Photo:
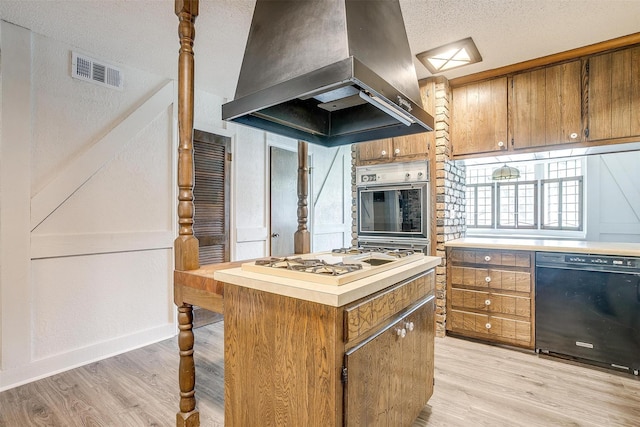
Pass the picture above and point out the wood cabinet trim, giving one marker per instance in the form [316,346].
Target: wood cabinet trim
[366,315]
[580,115]
[593,49]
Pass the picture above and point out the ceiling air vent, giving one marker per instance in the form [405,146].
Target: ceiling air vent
[95,71]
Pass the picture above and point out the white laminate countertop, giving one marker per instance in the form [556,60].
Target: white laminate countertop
[332,295]
[543,245]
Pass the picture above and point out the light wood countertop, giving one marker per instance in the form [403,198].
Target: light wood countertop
[332,295]
[577,246]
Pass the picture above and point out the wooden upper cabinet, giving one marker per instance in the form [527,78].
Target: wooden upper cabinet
[373,151]
[614,95]
[410,146]
[546,106]
[479,117]
[402,148]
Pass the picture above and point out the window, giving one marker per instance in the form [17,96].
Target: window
[517,204]
[547,196]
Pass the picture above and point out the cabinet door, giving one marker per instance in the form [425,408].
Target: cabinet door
[368,389]
[417,357]
[614,95]
[390,376]
[410,147]
[546,106]
[377,151]
[479,117]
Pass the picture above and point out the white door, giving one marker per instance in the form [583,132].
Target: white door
[284,200]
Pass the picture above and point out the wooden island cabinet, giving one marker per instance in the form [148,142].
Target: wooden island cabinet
[291,361]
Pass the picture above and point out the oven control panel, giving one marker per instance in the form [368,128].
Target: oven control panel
[394,173]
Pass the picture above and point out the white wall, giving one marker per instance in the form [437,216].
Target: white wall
[330,197]
[613,197]
[86,211]
[88,202]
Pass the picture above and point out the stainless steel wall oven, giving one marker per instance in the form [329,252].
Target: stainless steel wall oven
[393,205]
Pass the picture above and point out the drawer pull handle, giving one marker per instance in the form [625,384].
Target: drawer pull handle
[487,258]
[410,326]
[396,151]
[383,153]
[487,279]
[487,302]
[488,325]
[401,332]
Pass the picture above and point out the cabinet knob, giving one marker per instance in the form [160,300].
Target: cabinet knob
[409,326]
[487,302]
[500,144]
[383,153]
[573,135]
[487,258]
[487,325]
[396,151]
[401,332]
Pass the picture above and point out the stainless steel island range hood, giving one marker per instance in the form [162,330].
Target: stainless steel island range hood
[329,72]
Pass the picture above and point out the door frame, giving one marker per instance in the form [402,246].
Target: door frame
[206,127]
[289,145]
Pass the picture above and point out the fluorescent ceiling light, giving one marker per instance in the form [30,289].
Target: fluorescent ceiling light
[450,56]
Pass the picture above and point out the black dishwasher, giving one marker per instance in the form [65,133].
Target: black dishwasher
[588,307]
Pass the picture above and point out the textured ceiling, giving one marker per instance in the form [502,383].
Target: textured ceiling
[143,33]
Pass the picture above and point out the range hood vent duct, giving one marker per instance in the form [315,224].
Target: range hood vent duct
[329,72]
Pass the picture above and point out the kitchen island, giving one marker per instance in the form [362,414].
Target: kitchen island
[303,353]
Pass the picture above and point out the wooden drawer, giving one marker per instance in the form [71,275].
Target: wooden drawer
[369,313]
[491,279]
[490,327]
[491,257]
[488,302]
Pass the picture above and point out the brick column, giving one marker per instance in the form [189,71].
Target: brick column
[450,195]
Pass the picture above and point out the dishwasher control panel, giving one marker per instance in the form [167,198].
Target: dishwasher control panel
[587,261]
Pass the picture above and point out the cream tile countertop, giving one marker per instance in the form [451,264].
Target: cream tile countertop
[578,246]
[332,295]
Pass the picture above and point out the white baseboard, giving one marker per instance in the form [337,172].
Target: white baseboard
[43,368]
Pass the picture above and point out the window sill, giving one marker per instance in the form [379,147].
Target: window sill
[527,234]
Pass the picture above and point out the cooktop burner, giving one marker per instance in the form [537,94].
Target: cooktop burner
[316,266]
[396,253]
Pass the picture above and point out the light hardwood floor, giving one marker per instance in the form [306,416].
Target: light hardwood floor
[476,385]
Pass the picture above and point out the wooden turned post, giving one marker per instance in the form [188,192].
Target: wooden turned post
[302,238]
[188,415]
[186,244]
